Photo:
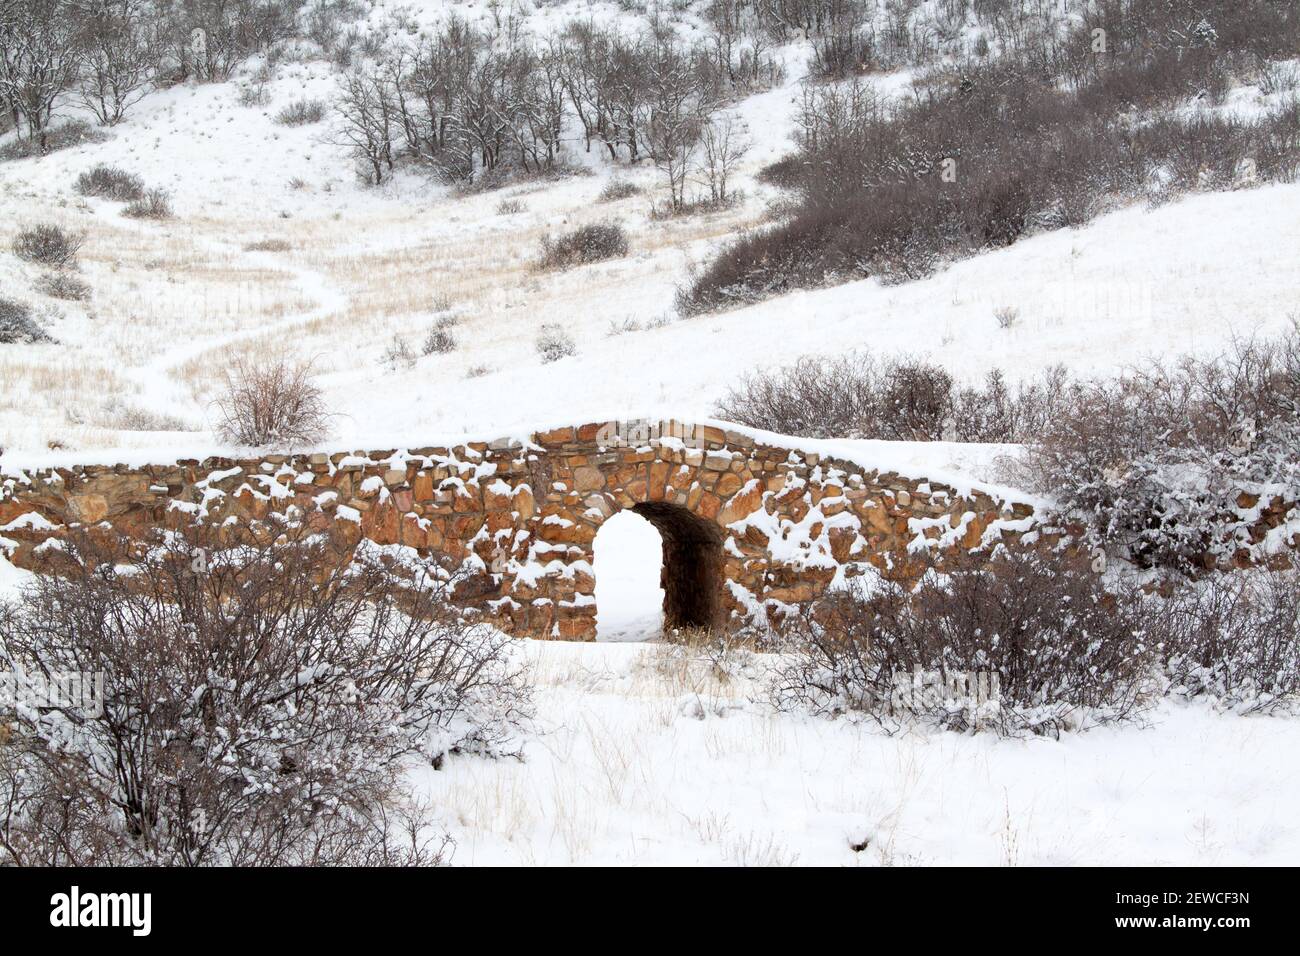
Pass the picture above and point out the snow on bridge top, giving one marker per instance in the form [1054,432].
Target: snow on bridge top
[752,523]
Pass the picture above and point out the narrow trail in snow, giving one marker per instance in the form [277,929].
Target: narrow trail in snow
[161,390]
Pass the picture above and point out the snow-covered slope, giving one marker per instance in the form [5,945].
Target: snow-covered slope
[173,301]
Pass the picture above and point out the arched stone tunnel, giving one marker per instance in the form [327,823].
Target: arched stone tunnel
[752,525]
[692,575]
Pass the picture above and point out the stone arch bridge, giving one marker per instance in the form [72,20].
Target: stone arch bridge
[752,524]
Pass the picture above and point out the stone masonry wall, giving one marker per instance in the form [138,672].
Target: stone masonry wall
[749,529]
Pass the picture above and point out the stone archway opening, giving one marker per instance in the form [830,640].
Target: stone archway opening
[692,567]
[628,563]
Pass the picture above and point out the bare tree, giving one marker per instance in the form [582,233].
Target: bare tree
[121,54]
[585,53]
[677,110]
[723,144]
[367,111]
[208,39]
[41,48]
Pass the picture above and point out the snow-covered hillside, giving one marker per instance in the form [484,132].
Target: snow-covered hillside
[172,301]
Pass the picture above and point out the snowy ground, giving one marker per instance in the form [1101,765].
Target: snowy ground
[640,759]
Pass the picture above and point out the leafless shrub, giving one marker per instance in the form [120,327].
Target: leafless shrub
[849,396]
[154,204]
[1002,413]
[301,113]
[478,371]
[509,207]
[271,401]
[18,326]
[1057,651]
[110,182]
[398,354]
[258,701]
[72,133]
[268,245]
[326,20]
[842,53]
[554,343]
[696,206]
[63,285]
[252,94]
[701,656]
[859,396]
[1154,463]
[916,396]
[1276,77]
[1007,316]
[48,245]
[621,326]
[616,189]
[586,244]
[881,190]
[440,339]
[814,397]
[1234,640]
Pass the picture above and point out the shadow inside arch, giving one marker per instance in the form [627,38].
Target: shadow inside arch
[692,575]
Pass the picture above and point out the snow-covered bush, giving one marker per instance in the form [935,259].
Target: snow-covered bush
[271,401]
[154,204]
[63,285]
[1177,465]
[110,182]
[554,343]
[48,245]
[301,113]
[879,188]
[17,326]
[859,396]
[850,396]
[1027,643]
[441,339]
[251,704]
[616,189]
[1234,639]
[591,243]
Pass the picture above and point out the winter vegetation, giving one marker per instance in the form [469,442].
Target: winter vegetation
[1050,248]
[335,672]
